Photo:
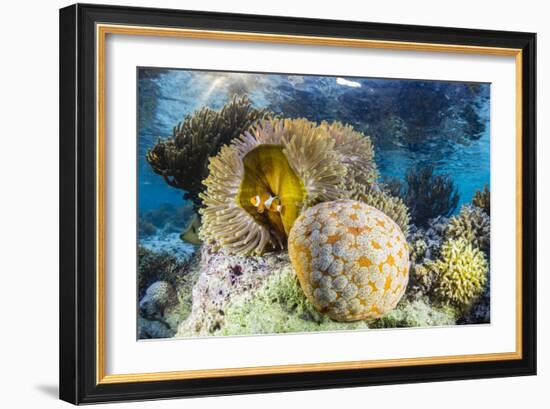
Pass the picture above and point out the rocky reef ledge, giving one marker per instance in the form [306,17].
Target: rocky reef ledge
[248,295]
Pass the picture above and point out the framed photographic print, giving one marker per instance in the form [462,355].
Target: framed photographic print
[257,203]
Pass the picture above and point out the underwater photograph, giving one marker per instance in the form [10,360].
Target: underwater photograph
[292,203]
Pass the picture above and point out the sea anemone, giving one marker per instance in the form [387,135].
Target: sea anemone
[352,260]
[357,154]
[258,185]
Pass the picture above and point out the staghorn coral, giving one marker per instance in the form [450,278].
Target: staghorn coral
[351,259]
[428,195]
[460,274]
[296,161]
[390,205]
[482,199]
[182,159]
[473,225]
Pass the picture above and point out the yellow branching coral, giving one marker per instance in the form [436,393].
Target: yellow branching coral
[460,274]
[259,184]
[390,205]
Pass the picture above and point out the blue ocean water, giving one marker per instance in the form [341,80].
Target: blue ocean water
[411,122]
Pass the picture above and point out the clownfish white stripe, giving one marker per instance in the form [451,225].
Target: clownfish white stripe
[268,202]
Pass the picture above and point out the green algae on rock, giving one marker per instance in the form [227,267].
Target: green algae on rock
[278,306]
[417,313]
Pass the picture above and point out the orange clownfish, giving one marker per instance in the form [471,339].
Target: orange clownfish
[266,201]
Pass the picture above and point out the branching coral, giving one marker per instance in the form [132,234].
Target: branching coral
[295,161]
[357,154]
[429,195]
[390,205]
[183,159]
[482,199]
[472,225]
[460,273]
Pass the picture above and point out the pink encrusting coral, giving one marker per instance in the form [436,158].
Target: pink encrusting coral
[351,259]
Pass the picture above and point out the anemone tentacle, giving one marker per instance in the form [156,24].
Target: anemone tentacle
[224,223]
[296,161]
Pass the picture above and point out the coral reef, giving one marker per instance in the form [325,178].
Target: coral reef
[480,312]
[392,206]
[158,297]
[482,199]
[351,259]
[158,273]
[473,225]
[168,243]
[182,159]
[429,195]
[417,313]
[166,218]
[152,329]
[278,306]
[190,232]
[296,161]
[153,266]
[460,273]
[222,277]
